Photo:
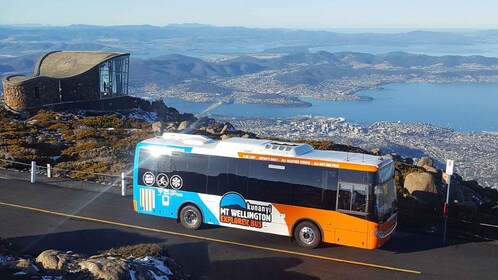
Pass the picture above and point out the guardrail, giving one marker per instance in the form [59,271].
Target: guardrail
[33,167]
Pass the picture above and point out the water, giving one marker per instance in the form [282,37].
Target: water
[461,106]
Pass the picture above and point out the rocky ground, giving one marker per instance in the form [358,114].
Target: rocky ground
[144,261]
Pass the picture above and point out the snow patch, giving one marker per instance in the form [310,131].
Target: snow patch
[5,259]
[157,263]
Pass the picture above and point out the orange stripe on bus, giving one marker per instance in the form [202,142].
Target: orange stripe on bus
[310,162]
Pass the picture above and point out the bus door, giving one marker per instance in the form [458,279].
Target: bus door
[352,200]
[156,196]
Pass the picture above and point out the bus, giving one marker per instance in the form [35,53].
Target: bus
[281,188]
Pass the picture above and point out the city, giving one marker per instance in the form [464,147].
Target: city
[470,150]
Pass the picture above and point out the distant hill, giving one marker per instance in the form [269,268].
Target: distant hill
[171,69]
[200,40]
[292,69]
[307,67]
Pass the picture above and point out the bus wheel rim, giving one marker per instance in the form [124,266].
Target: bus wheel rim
[191,217]
[307,235]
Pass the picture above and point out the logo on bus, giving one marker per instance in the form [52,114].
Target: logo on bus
[149,178]
[234,209]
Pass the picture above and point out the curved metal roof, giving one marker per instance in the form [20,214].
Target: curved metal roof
[64,64]
[70,63]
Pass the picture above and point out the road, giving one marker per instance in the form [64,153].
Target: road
[43,216]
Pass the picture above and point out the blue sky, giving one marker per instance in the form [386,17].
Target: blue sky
[312,14]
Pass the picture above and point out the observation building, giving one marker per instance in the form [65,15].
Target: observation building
[65,77]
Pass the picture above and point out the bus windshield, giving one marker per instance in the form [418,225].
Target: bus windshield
[385,192]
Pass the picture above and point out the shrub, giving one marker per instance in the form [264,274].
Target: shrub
[137,251]
[8,248]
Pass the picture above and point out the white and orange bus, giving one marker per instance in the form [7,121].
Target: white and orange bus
[273,187]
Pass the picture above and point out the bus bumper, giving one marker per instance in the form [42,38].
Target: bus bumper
[380,234]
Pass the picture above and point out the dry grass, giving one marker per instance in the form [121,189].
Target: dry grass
[137,251]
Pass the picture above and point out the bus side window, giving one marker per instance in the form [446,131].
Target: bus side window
[359,199]
[234,179]
[352,197]
[329,188]
[150,162]
[269,182]
[217,174]
[344,199]
[192,168]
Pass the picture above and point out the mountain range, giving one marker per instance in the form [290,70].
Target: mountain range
[304,68]
[202,40]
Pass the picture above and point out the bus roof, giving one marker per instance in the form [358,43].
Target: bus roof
[267,150]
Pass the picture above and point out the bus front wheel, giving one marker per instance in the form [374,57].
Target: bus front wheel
[307,235]
[191,217]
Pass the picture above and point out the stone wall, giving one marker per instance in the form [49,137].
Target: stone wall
[30,93]
[83,87]
[39,91]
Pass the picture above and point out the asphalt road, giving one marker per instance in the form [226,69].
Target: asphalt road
[102,220]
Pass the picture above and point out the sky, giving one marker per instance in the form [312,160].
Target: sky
[305,14]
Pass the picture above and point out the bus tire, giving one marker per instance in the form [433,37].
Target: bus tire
[191,217]
[307,235]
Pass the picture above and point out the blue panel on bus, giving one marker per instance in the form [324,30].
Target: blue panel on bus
[166,202]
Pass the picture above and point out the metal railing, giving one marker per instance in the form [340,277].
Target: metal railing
[33,167]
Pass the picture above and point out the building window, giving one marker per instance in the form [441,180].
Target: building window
[114,77]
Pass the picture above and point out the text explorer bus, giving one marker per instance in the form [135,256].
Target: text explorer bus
[273,187]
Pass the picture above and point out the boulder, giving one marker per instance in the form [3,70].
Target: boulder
[25,266]
[54,260]
[105,268]
[420,182]
[48,259]
[170,127]
[425,161]
[183,125]
[228,127]
[211,130]
[157,128]
[376,151]
[429,168]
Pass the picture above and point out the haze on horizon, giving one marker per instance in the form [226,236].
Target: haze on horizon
[292,14]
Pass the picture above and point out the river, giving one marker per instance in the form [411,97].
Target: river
[460,106]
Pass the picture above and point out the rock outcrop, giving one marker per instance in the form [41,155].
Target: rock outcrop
[52,259]
[420,182]
[183,125]
[425,161]
[109,267]
[429,168]
[158,128]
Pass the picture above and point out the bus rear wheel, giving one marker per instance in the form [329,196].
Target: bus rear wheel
[191,217]
[307,235]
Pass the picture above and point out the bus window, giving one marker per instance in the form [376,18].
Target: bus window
[329,188]
[269,182]
[314,187]
[192,168]
[353,176]
[234,179]
[359,199]
[150,161]
[217,173]
[352,197]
